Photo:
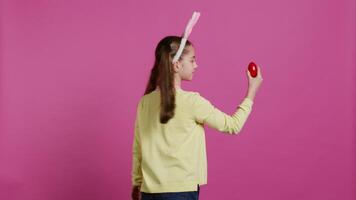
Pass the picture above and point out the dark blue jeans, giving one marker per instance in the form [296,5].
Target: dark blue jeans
[194,195]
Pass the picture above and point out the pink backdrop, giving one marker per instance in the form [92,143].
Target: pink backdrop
[72,73]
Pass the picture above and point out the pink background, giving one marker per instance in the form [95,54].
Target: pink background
[72,73]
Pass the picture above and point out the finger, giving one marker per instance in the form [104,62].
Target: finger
[259,72]
[248,74]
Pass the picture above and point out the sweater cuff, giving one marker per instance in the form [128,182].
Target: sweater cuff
[247,101]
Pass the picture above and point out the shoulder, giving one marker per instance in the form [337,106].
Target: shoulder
[140,102]
[146,97]
[189,94]
[195,97]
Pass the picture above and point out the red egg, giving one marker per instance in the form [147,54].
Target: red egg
[252,68]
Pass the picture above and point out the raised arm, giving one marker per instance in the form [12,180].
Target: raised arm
[207,113]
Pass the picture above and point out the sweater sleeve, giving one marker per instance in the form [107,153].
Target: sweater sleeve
[136,173]
[206,113]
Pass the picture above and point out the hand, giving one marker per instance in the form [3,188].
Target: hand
[254,83]
[136,194]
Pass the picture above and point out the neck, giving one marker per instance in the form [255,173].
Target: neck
[177,81]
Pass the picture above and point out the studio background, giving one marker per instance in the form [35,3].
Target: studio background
[72,73]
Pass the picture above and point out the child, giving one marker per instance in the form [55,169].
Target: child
[169,154]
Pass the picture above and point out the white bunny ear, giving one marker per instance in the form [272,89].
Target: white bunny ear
[188,30]
[191,24]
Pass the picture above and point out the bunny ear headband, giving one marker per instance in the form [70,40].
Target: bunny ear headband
[188,30]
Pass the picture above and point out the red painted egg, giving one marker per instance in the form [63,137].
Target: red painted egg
[252,68]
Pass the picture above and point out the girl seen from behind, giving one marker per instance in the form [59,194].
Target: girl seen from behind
[169,152]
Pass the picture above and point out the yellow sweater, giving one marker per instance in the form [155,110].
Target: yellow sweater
[172,157]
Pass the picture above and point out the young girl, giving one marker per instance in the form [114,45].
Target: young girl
[169,154]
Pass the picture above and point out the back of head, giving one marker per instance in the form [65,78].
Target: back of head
[162,74]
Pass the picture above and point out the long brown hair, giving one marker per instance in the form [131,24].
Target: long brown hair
[162,74]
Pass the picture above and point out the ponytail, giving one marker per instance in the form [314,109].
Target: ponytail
[166,86]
